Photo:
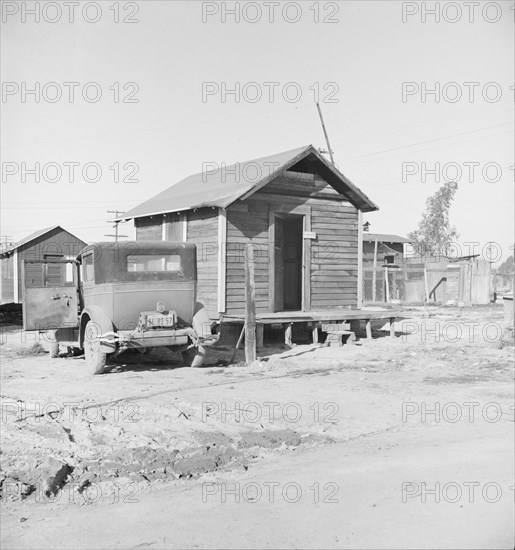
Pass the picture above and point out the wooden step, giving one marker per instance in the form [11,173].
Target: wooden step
[336,338]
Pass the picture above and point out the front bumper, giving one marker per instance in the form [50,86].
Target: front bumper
[126,339]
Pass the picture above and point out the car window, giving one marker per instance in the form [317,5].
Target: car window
[88,273]
[144,263]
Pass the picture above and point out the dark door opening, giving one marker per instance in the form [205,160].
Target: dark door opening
[288,262]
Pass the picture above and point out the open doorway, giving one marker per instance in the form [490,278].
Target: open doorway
[288,262]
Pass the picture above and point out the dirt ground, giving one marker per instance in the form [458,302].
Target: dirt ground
[402,442]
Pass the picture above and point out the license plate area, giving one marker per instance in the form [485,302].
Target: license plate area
[160,320]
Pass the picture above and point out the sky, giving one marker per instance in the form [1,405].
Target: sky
[413,94]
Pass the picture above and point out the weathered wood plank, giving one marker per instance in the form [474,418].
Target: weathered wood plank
[250,308]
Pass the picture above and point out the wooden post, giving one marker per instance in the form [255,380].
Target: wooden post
[392,327]
[260,335]
[250,306]
[374,275]
[288,335]
[368,329]
[426,285]
[387,284]
[329,150]
[360,260]
[315,333]
[237,343]
[222,240]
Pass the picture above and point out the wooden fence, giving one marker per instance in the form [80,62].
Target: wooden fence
[414,282]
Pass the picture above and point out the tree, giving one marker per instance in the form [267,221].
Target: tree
[435,233]
[507,271]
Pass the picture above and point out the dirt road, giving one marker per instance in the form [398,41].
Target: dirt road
[395,443]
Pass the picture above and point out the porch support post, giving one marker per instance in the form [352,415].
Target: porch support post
[360,260]
[271,258]
[368,329]
[222,239]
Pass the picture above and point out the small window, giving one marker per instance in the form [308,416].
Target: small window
[145,263]
[88,274]
[68,275]
[389,259]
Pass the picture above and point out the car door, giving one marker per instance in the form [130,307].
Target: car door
[50,298]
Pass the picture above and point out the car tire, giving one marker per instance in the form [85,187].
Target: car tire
[95,358]
[194,357]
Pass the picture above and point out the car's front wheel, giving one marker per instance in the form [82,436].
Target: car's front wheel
[95,358]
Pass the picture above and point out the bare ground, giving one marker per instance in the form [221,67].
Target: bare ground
[157,455]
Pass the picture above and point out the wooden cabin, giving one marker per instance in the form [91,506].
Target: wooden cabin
[52,242]
[301,214]
[382,249]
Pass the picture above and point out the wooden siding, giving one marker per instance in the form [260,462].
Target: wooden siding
[203,231]
[7,280]
[301,185]
[334,256]
[330,276]
[333,266]
[57,243]
[173,227]
[149,229]
[247,222]
[368,252]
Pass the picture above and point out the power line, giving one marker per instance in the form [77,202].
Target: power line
[430,141]
[116,222]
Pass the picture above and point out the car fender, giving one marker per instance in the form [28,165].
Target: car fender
[201,323]
[97,315]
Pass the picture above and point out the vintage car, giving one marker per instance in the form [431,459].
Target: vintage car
[118,296]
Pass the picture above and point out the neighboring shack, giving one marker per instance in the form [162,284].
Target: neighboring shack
[302,215]
[380,249]
[46,244]
[392,274]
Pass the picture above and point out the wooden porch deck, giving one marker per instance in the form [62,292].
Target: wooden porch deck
[316,318]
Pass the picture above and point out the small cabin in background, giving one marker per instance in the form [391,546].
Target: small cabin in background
[50,243]
[386,249]
[391,273]
[300,213]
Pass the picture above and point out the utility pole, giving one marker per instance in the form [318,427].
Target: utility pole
[5,242]
[116,235]
[329,150]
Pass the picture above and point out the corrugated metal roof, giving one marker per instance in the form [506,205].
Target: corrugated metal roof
[384,238]
[224,185]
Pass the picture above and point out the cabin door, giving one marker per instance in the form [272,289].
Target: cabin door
[50,299]
[288,262]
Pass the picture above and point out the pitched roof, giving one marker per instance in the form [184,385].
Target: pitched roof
[384,238]
[29,238]
[226,184]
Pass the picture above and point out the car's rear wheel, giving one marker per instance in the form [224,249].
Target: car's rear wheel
[95,358]
[194,357]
